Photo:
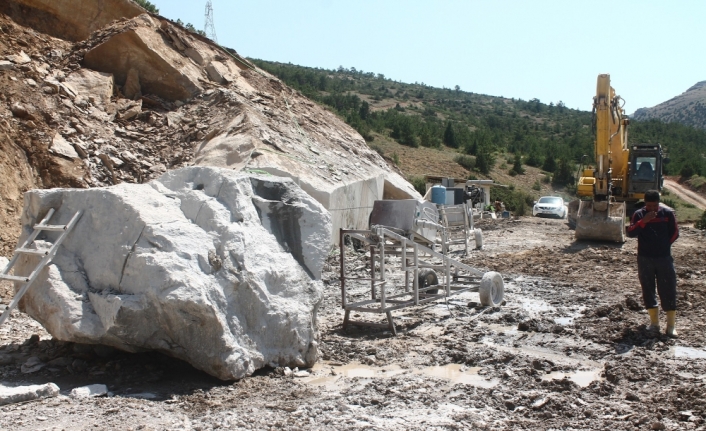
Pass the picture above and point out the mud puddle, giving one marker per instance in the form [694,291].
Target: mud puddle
[688,352]
[581,378]
[330,376]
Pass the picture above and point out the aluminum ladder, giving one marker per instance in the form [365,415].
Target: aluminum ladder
[47,255]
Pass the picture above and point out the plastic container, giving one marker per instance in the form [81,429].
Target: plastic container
[506,214]
[438,195]
[450,196]
[459,194]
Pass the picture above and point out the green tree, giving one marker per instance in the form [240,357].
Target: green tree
[549,164]
[533,157]
[148,6]
[564,174]
[484,160]
[364,110]
[517,164]
[450,136]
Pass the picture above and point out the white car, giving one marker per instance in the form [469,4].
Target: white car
[549,206]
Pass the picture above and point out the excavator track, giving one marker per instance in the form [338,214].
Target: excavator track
[603,221]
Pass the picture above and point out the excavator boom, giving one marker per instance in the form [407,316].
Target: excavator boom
[602,217]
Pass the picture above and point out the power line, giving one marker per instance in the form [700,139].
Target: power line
[209,27]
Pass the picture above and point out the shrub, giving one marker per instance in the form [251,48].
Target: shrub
[468,162]
[516,201]
[670,202]
[378,149]
[512,172]
[547,179]
[689,205]
[536,186]
[419,184]
[701,223]
[395,159]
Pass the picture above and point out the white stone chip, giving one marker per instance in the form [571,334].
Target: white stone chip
[97,390]
[18,394]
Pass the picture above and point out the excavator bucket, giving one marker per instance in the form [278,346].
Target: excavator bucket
[602,221]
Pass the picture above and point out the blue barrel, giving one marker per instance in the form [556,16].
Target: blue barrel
[438,195]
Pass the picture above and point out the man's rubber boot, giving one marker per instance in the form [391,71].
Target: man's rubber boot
[654,320]
[672,324]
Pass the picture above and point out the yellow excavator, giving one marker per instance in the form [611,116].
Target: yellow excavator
[621,176]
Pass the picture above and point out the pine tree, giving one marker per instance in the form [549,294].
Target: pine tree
[517,165]
[450,136]
[549,164]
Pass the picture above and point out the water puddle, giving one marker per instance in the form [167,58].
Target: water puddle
[329,375]
[688,352]
[564,321]
[535,306]
[581,378]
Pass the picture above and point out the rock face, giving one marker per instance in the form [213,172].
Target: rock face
[141,95]
[68,19]
[150,56]
[688,108]
[207,265]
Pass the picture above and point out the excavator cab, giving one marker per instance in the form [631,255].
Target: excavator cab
[645,171]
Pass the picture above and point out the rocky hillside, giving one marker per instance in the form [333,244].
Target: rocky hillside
[688,108]
[141,95]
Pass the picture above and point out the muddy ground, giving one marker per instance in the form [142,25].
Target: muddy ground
[568,350]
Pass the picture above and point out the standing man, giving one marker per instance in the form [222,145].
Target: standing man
[655,227]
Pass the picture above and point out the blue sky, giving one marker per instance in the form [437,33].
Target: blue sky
[550,50]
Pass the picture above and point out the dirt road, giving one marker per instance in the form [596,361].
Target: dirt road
[685,194]
[568,350]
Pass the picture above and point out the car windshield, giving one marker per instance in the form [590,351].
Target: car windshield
[549,200]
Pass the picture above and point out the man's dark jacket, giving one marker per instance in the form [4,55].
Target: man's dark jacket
[654,238]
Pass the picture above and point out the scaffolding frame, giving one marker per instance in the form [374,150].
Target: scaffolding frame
[453,277]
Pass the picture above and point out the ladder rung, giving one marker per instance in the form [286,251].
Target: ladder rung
[51,227]
[32,251]
[13,278]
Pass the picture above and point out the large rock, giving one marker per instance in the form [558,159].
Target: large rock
[90,84]
[68,19]
[208,265]
[280,132]
[152,56]
[141,51]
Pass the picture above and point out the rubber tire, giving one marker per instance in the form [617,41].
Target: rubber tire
[478,235]
[427,277]
[491,289]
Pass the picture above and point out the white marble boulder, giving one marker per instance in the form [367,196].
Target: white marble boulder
[215,267]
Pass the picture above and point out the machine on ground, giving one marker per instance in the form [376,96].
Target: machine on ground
[622,175]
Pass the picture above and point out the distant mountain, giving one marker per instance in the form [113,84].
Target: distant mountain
[689,108]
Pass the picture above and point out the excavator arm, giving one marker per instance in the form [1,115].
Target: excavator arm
[599,215]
